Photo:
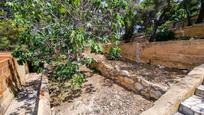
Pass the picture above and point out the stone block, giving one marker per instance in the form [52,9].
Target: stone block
[138,86]
[192,105]
[200,91]
[169,103]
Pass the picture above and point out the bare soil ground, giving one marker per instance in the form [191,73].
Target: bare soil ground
[99,96]
[153,73]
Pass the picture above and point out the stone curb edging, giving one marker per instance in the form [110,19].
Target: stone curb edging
[168,104]
[44,98]
[131,82]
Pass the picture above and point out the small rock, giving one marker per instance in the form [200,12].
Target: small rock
[117,68]
[185,71]
[155,94]
[138,86]
[125,72]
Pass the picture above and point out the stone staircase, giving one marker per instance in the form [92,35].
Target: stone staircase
[194,105]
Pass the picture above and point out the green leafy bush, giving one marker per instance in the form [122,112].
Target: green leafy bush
[114,53]
[165,35]
[96,48]
[77,80]
[88,61]
[66,71]
[8,34]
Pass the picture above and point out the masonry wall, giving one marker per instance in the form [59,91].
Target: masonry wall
[12,77]
[196,30]
[175,54]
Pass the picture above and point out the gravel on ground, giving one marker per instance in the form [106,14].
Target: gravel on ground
[154,73]
[100,96]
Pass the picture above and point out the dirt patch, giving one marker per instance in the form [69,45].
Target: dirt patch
[100,96]
[153,73]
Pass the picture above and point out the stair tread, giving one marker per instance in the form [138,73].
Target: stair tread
[200,91]
[201,87]
[194,103]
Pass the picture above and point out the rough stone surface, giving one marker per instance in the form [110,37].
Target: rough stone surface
[178,113]
[128,81]
[44,98]
[192,106]
[168,104]
[200,91]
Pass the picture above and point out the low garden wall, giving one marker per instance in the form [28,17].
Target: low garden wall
[184,54]
[131,82]
[12,77]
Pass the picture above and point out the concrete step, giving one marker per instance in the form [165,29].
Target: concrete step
[192,106]
[178,113]
[200,91]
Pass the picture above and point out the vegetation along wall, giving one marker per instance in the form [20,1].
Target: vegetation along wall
[12,77]
[175,54]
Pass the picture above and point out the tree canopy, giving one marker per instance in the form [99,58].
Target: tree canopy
[56,32]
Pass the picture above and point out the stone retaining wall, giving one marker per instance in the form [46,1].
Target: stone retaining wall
[12,76]
[175,54]
[131,82]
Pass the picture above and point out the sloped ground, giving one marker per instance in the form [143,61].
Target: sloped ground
[100,96]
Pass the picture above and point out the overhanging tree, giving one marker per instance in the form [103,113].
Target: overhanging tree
[57,31]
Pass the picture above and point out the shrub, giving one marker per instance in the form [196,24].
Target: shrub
[96,48]
[77,80]
[66,71]
[88,61]
[165,35]
[8,34]
[114,53]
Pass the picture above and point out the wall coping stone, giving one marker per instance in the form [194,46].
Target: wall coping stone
[168,104]
[44,98]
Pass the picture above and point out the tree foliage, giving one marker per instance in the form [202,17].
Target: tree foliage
[58,31]
[152,15]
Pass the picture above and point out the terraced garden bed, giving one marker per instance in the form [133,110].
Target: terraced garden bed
[99,96]
[106,92]
[153,73]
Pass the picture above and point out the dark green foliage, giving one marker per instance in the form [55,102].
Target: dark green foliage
[57,32]
[78,80]
[88,61]
[96,48]
[22,54]
[114,53]
[165,36]
[8,34]
[201,13]
[65,71]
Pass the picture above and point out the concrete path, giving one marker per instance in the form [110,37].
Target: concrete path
[26,102]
